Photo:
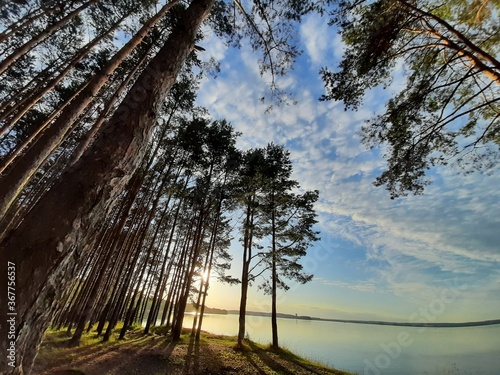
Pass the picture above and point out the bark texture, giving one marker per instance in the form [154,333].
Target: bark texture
[54,133]
[51,240]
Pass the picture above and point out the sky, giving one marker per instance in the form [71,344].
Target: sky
[433,257]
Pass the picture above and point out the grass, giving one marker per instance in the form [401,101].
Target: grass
[156,354]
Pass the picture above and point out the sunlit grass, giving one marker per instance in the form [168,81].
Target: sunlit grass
[58,350]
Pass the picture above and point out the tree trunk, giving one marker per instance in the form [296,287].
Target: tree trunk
[208,268]
[128,316]
[163,268]
[27,19]
[149,85]
[41,36]
[84,144]
[172,293]
[477,55]
[131,247]
[51,239]
[247,256]
[183,287]
[197,305]
[39,78]
[28,102]
[274,320]
[87,309]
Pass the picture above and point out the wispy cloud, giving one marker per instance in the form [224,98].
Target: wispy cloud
[319,49]
[360,287]
[409,243]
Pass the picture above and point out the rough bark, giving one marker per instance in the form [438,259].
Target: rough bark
[50,240]
[25,104]
[19,174]
[84,144]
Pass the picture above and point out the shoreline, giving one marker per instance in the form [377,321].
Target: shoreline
[372,322]
[156,353]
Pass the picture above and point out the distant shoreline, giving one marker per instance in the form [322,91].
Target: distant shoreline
[373,322]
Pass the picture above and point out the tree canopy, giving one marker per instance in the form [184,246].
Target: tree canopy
[448,108]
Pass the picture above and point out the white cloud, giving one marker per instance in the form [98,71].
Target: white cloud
[360,287]
[321,50]
[450,231]
[311,29]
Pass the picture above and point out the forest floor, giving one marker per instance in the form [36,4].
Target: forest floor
[156,354]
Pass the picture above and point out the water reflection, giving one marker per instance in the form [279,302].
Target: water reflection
[376,350]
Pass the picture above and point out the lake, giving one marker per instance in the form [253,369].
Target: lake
[376,349]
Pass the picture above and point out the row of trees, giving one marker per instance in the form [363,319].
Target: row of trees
[83,82]
[108,213]
[171,230]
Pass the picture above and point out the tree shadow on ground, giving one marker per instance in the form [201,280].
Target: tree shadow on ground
[138,354]
[266,359]
[82,353]
[266,356]
[204,361]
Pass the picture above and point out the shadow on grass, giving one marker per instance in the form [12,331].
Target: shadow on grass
[204,361]
[192,364]
[269,361]
[60,356]
[87,350]
[248,356]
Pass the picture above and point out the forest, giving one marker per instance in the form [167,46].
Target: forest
[119,196]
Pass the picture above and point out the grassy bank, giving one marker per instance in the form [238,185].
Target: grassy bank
[156,354]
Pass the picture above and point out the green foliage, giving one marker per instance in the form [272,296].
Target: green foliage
[449,106]
[286,219]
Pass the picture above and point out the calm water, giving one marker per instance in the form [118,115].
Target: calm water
[375,350]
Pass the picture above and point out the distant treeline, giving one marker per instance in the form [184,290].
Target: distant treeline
[383,323]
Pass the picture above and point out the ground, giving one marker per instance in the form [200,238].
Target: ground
[156,354]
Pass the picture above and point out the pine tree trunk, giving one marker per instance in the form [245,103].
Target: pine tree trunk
[128,316]
[208,268]
[17,177]
[171,297]
[51,239]
[27,19]
[84,144]
[274,320]
[43,35]
[185,280]
[157,291]
[87,308]
[29,101]
[197,306]
[39,79]
[247,256]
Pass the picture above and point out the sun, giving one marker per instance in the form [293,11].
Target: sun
[204,275]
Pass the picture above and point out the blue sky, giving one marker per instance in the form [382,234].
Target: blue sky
[432,257]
